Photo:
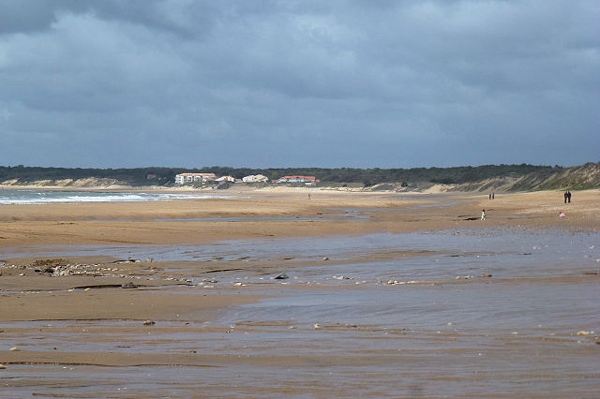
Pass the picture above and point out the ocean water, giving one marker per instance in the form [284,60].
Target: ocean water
[55,196]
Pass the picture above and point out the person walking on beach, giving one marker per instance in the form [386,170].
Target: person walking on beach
[567,196]
[483,214]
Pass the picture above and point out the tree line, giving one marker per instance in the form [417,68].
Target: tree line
[367,177]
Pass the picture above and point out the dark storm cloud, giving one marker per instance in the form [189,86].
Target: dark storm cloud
[285,83]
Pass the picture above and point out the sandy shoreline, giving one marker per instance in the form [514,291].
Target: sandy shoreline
[24,229]
[327,213]
[102,289]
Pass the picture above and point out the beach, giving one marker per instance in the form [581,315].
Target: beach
[304,293]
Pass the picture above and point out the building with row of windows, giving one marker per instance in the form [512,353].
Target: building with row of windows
[192,178]
[309,180]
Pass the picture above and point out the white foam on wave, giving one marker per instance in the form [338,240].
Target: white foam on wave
[46,197]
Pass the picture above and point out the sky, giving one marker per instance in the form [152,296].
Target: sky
[299,83]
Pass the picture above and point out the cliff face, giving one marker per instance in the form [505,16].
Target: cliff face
[583,177]
[575,178]
[578,178]
[90,182]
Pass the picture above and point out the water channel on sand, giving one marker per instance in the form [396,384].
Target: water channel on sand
[500,313]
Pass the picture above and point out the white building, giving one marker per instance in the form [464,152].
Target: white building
[229,179]
[308,180]
[255,179]
[189,178]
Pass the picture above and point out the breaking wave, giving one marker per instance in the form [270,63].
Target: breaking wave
[45,197]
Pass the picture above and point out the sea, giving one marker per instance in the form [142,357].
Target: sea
[35,196]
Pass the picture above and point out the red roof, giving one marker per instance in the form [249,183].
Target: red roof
[300,177]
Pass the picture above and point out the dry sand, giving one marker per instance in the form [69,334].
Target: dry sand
[147,223]
[95,287]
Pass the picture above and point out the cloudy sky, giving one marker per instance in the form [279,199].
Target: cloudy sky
[292,83]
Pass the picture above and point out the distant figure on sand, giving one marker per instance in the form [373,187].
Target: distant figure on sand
[483,214]
[567,196]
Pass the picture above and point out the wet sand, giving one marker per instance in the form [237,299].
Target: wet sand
[384,295]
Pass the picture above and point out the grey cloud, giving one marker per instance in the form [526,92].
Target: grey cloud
[284,83]
[24,17]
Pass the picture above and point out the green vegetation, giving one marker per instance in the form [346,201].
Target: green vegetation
[134,177]
[522,177]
